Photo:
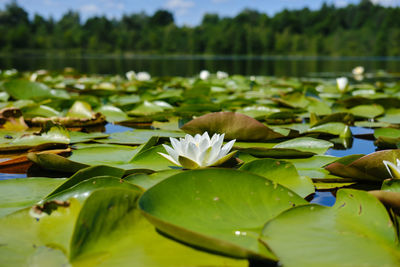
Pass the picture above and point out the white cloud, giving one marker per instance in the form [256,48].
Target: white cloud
[219,1]
[386,2]
[89,9]
[112,4]
[180,6]
[341,3]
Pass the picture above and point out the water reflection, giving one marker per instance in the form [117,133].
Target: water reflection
[192,65]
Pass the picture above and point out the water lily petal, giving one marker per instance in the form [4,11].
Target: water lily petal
[173,153]
[176,145]
[192,152]
[169,158]
[188,163]
[393,170]
[226,148]
[213,156]
[224,159]
[204,157]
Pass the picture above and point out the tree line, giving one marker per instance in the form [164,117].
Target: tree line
[362,29]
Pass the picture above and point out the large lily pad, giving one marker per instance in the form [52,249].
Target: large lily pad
[211,209]
[281,172]
[47,241]
[234,125]
[22,89]
[17,194]
[356,231]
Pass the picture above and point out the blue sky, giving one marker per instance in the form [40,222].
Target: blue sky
[188,12]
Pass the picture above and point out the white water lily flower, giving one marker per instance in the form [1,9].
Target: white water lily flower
[204,74]
[130,75]
[394,170]
[222,75]
[342,83]
[359,70]
[143,76]
[199,151]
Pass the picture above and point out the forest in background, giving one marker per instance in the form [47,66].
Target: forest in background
[364,29]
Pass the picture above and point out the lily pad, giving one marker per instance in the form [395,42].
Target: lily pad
[306,144]
[87,173]
[22,89]
[210,209]
[17,194]
[53,136]
[113,114]
[391,116]
[356,231]
[138,136]
[367,111]
[333,128]
[281,172]
[234,125]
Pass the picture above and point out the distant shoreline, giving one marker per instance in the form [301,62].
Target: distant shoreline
[132,55]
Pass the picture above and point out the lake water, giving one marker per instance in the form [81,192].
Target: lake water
[191,65]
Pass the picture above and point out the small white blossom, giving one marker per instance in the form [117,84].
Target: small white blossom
[198,151]
[130,75]
[342,83]
[394,170]
[358,70]
[222,75]
[204,74]
[143,76]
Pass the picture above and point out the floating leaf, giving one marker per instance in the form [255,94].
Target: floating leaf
[201,208]
[17,194]
[234,125]
[306,144]
[80,110]
[281,172]
[356,231]
[22,89]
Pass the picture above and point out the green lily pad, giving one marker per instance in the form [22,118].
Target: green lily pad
[356,231]
[39,111]
[234,125]
[22,89]
[313,166]
[210,209]
[82,190]
[387,132]
[80,110]
[56,135]
[306,144]
[148,180]
[145,109]
[110,226]
[47,241]
[391,116]
[138,136]
[27,240]
[17,194]
[87,173]
[80,137]
[333,128]
[281,172]
[367,111]
[318,107]
[113,114]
